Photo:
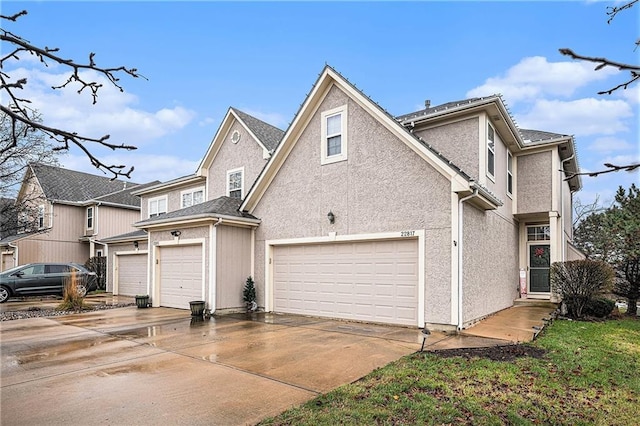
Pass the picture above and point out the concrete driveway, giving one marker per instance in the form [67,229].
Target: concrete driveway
[156,366]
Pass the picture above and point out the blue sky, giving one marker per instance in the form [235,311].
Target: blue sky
[202,57]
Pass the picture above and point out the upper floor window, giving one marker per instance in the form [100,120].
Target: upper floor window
[89,217]
[235,183]
[334,135]
[157,206]
[509,173]
[40,217]
[491,151]
[191,197]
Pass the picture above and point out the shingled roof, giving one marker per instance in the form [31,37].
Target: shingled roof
[269,135]
[124,197]
[538,135]
[222,206]
[75,187]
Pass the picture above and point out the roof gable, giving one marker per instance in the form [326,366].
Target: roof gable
[327,79]
[264,134]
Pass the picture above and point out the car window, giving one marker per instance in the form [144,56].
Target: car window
[57,269]
[33,270]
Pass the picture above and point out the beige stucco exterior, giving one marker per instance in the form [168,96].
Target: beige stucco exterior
[383,186]
[534,188]
[246,154]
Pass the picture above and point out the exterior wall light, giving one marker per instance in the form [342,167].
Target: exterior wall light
[135,245]
[331,217]
[176,233]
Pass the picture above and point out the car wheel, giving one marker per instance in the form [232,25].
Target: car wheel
[81,290]
[4,294]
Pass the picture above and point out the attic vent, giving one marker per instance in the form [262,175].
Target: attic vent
[235,136]
[427,103]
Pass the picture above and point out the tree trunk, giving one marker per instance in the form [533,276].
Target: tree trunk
[632,307]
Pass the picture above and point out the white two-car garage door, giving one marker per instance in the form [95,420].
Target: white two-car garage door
[373,281]
[132,274]
[181,277]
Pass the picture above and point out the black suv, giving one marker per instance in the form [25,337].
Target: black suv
[37,279]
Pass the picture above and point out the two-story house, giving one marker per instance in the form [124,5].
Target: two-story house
[425,219]
[74,209]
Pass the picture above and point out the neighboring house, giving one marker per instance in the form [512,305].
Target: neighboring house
[74,209]
[426,219]
[205,208]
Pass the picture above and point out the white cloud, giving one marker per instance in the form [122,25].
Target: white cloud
[631,94]
[114,113]
[580,117]
[535,77]
[206,121]
[609,144]
[147,167]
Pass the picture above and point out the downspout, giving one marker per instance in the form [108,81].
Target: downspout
[15,254]
[460,238]
[213,269]
[562,241]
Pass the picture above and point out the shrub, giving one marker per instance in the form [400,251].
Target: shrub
[249,295]
[579,281]
[599,307]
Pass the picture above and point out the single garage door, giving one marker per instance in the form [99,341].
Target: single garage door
[181,279]
[367,281]
[132,274]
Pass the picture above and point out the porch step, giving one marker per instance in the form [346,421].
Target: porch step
[535,302]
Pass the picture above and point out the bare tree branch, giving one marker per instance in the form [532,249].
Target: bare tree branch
[610,168]
[16,108]
[603,62]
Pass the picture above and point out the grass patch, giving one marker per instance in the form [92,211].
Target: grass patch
[588,374]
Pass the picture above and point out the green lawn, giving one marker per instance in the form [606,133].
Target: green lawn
[590,374]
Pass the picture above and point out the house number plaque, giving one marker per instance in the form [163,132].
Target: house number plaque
[407,233]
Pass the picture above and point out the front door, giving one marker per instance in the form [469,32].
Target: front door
[539,262]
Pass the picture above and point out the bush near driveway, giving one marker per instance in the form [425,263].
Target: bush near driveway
[587,375]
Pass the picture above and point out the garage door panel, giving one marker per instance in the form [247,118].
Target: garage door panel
[371,281]
[132,274]
[181,279]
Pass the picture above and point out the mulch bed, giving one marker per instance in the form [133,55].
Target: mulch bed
[494,353]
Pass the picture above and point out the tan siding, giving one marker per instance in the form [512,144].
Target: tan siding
[40,248]
[246,153]
[458,142]
[382,187]
[233,265]
[534,182]
[490,273]
[112,221]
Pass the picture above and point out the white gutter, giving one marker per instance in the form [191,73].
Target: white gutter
[460,254]
[564,249]
[213,265]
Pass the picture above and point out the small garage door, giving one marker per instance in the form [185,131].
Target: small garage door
[6,261]
[132,274]
[367,281]
[181,279]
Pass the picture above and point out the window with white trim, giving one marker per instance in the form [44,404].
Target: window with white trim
[334,135]
[191,197]
[539,233]
[509,173]
[89,217]
[40,217]
[491,151]
[235,183]
[157,206]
